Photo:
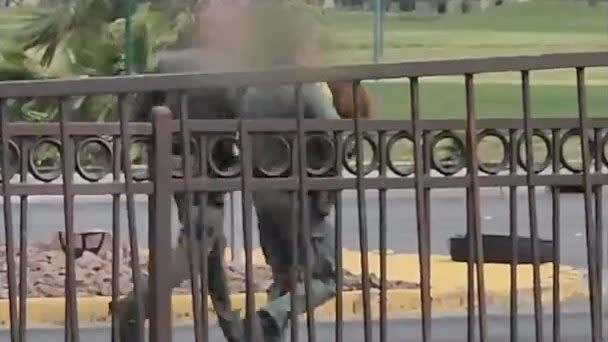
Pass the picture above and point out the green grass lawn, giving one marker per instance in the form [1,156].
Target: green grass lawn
[541,26]
[447,100]
[536,27]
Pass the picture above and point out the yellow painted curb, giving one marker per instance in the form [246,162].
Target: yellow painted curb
[448,291]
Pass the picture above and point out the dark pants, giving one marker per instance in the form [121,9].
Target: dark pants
[275,225]
[219,290]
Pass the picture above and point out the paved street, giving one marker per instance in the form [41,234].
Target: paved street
[448,219]
[575,328]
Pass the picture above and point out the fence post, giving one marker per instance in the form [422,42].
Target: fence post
[160,227]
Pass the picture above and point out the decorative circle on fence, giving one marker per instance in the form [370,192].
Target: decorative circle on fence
[400,144]
[455,159]
[216,156]
[324,162]
[349,152]
[45,159]
[138,155]
[276,163]
[14,159]
[492,166]
[541,138]
[195,156]
[573,136]
[94,158]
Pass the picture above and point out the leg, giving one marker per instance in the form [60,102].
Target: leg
[219,291]
[127,306]
[323,285]
[275,254]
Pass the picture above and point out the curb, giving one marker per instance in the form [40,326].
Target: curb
[448,292]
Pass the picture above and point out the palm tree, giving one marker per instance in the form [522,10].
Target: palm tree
[81,38]
[62,38]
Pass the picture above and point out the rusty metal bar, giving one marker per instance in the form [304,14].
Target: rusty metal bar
[339,144]
[116,250]
[589,222]
[200,334]
[125,142]
[206,126]
[160,236]
[325,183]
[599,226]
[232,227]
[362,217]
[8,222]
[23,255]
[293,272]
[530,173]
[424,249]
[513,334]
[225,126]
[67,158]
[169,82]
[204,250]
[382,161]
[303,211]
[475,202]
[247,203]
[555,221]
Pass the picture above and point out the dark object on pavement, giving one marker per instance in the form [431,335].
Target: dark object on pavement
[566,189]
[497,249]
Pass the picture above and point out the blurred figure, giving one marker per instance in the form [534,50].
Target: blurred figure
[290,40]
[216,47]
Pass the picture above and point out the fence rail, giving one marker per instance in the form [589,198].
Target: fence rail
[198,174]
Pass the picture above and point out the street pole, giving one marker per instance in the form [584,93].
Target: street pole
[378,30]
[129,38]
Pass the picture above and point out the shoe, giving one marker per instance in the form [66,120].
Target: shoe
[272,332]
[257,333]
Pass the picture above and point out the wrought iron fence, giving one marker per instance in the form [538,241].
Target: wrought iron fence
[20,141]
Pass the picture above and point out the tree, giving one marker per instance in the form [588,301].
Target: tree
[80,38]
[87,38]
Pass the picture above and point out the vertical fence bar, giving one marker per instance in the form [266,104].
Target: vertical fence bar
[513,235]
[362,217]
[338,246]
[23,257]
[474,186]
[115,238]
[470,260]
[303,211]
[67,158]
[246,202]
[204,252]
[555,209]
[160,248]
[530,173]
[383,158]
[470,269]
[599,226]
[589,222]
[8,222]
[424,253]
[293,272]
[125,142]
[193,250]
[232,226]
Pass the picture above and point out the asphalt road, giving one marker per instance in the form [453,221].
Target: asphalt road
[574,328]
[448,218]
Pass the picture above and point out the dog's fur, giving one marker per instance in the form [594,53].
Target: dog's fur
[342,92]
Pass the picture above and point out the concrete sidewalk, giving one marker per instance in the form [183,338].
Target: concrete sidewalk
[448,291]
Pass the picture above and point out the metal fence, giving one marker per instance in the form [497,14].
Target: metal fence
[516,135]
